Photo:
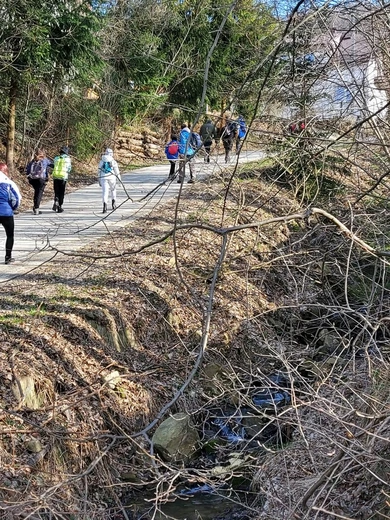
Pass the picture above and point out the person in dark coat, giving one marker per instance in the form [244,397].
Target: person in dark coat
[208,132]
[228,136]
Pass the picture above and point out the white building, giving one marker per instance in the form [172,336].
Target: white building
[342,73]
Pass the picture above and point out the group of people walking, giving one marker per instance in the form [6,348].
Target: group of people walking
[38,176]
[38,172]
[183,146]
[180,150]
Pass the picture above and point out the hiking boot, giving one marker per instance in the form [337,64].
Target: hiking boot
[60,209]
[104,208]
[113,204]
[9,260]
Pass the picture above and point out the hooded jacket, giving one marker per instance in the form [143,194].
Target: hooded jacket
[9,196]
[208,132]
[108,157]
[185,148]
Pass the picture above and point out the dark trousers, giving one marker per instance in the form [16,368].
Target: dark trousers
[207,146]
[59,190]
[172,169]
[9,226]
[39,187]
[228,146]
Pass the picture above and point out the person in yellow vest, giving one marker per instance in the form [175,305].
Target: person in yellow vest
[61,169]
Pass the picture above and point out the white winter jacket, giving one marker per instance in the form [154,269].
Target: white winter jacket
[107,157]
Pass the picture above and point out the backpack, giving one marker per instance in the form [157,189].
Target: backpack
[60,168]
[229,130]
[107,167]
[242,129]
[37,170]
[195,141]
[173,148]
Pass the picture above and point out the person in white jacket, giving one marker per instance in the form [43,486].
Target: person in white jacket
[108,175]
[10,198]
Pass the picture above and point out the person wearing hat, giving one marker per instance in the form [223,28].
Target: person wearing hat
[9,201]
[108,175]
[61,169]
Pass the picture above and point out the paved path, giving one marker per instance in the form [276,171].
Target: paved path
[38,237]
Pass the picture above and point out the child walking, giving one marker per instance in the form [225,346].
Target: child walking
[172,153]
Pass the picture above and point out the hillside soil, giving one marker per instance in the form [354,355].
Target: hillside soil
[94,347]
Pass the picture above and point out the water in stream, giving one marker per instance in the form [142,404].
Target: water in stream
[200,506]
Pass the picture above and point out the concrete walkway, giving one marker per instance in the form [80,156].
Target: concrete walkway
[39,237]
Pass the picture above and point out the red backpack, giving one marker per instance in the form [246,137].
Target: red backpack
[173,148]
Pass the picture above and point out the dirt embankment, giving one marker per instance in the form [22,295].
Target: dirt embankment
[94,346]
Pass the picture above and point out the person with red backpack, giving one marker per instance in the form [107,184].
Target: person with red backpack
[38,176]
[172,154]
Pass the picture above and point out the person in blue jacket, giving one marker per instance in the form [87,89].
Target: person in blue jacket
[186,154]
[172,154]
[9,201]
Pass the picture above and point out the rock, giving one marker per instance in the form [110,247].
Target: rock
[129,477]
[236,462]
[176,439]
[266,431]
[254,426]
[214,378]
[112,379]
[330,340]
[24,391]
[34,446]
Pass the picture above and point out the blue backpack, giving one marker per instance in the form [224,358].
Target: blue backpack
[195,141]
[242,128]
[107,167]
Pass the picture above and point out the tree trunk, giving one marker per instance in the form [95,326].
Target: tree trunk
[11,126]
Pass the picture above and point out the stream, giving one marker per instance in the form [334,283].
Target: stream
[207,505]
[204,502]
